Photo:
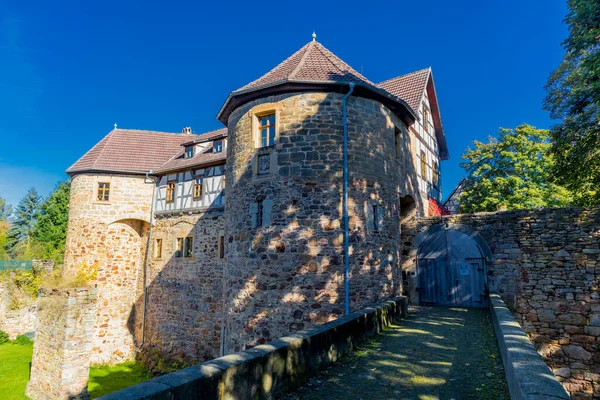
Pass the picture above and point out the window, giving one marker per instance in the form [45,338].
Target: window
[221,246]
[423,165]
[397,141]
[189,152]
[259,214]
[103,191]
[198,187]
[425,118]
[434,174]
[188,248]
[179,247]
[157,248]
[218,146]
[376,218]
[171,191]
[266,130]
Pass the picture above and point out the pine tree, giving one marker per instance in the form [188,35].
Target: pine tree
[20,234]
[51,228]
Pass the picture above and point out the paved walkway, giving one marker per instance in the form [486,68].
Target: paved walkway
[435,353]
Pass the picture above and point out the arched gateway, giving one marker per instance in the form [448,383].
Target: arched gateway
[451,270]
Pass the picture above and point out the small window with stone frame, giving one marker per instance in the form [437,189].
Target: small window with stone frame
[265,129]
[398,142]
[170,197]
[221,247]
[178,247]
[103,191]
[259,214]
[158,248]
[188,247]
[376,218]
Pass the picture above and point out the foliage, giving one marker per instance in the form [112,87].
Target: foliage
[436,209]
[22,340]
[160,363]
[511,172]
[4,227]
[59,279]
[4,337]
[26,213]
[22,286]
[574,99]
[5,210]
[105,379]
[14,370]
[50,230]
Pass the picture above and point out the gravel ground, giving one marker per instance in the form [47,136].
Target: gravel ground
[435,353]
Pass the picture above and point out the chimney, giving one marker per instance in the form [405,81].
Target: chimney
[187,130]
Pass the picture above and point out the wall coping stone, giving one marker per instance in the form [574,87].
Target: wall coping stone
[527,374]
[272,369]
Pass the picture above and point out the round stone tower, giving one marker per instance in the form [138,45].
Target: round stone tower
[284,218]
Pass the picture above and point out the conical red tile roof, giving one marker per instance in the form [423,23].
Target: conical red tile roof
[313,62]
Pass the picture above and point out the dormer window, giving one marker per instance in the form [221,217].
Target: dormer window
[189,152]
[218,146]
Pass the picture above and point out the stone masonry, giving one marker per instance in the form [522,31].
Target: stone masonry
[113,236]
[546,266]
[61,355]
[289,275]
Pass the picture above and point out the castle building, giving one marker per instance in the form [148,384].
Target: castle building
[213,243]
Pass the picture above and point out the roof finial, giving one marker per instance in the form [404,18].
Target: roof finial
[115,125]
[314,36]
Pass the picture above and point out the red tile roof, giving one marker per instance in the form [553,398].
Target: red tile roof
[313,62]
[207,155]
[409,87]
[136,151]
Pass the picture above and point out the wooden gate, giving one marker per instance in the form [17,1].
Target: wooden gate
[451,271]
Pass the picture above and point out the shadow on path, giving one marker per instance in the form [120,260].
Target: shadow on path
[435,353]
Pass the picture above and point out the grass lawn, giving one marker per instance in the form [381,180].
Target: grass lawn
[108,379]
[14,374]
[14,370]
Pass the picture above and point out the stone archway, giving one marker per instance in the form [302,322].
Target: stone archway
[120,283]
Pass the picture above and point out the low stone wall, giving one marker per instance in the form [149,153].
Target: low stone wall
[546,266]
[270,370]
[60,366]
[527,374]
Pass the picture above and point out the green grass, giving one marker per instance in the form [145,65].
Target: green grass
[14,370]
[107,379]
[14,374]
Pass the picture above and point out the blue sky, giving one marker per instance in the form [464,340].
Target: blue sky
[70,70]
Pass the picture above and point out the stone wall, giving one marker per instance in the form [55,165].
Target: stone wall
[185,295]
[289,274]
[546,266]
[112,236]
[61,353]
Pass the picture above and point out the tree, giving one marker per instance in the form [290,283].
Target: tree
[511,172]
[574,99]
[51,228]
[20,233]
[5,210]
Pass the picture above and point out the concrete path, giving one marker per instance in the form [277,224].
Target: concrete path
[435,353]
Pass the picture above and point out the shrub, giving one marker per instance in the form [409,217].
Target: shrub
[22,340]
[4,337]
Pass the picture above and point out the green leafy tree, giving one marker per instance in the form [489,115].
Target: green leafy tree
[50,231]
[20,234]
[4,227]
[574,99]
[511,172]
